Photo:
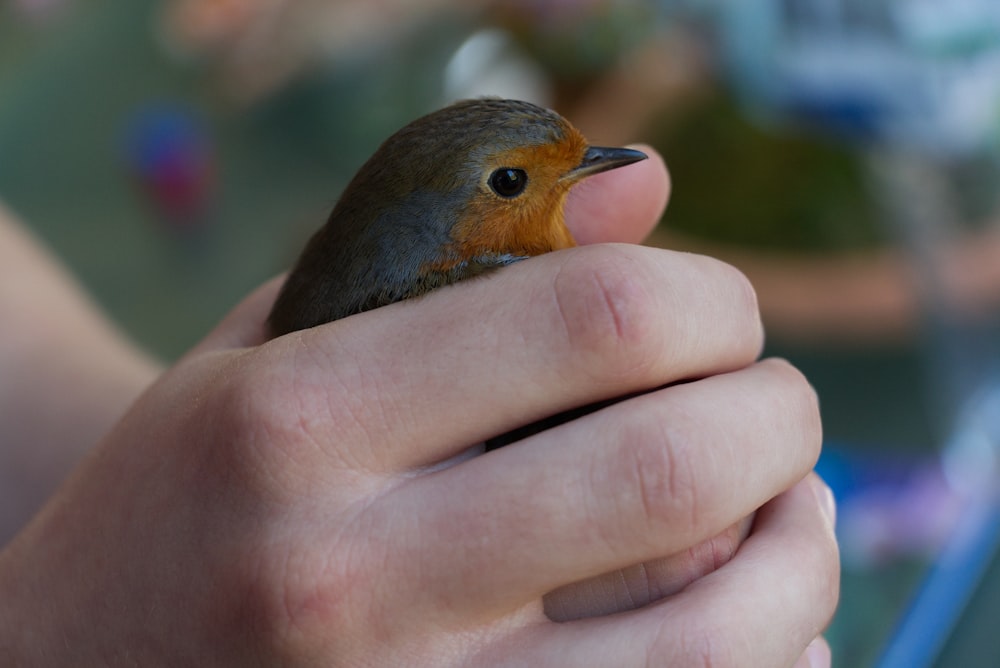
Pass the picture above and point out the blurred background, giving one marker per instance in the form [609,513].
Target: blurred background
[842,153]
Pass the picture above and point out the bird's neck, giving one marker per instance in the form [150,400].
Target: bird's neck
[526,231]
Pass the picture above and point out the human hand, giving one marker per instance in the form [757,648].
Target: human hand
[284,502]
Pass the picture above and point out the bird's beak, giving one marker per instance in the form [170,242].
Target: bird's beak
[600,159]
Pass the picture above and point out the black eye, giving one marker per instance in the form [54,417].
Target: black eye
[508,182]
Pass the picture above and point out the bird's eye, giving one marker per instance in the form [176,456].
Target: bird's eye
[508,181]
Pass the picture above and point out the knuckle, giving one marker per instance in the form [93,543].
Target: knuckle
[290,593]
[289,585]
[656,480]
[251,402]
[258,439]
[605,309]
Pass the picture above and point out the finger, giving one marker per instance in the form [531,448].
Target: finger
[621,204]
[635,586]
[486,356]
[761,609]
[817,655]
[246,324]
[644,478]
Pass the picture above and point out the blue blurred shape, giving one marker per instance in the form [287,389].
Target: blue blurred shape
[170,156]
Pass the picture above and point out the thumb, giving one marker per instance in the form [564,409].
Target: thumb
[621,204]
[246,324]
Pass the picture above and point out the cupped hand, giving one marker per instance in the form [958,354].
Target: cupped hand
[286,502]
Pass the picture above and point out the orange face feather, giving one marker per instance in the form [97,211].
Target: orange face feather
[532,223]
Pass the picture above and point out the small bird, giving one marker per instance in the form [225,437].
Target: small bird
[463,191]
[458,193]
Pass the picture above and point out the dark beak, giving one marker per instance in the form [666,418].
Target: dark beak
[600,159]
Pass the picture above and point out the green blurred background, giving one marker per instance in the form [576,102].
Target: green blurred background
[177,154]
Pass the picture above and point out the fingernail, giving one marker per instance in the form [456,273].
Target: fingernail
[826,500]
[818,654]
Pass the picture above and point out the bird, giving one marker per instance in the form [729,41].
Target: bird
[461,192]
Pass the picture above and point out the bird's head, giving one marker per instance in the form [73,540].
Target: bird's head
[503,168]
[475,185]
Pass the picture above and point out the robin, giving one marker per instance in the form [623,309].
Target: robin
[458,193]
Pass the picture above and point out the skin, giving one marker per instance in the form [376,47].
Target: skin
[284,503]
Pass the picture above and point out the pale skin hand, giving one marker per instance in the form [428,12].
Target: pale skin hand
[274,503]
